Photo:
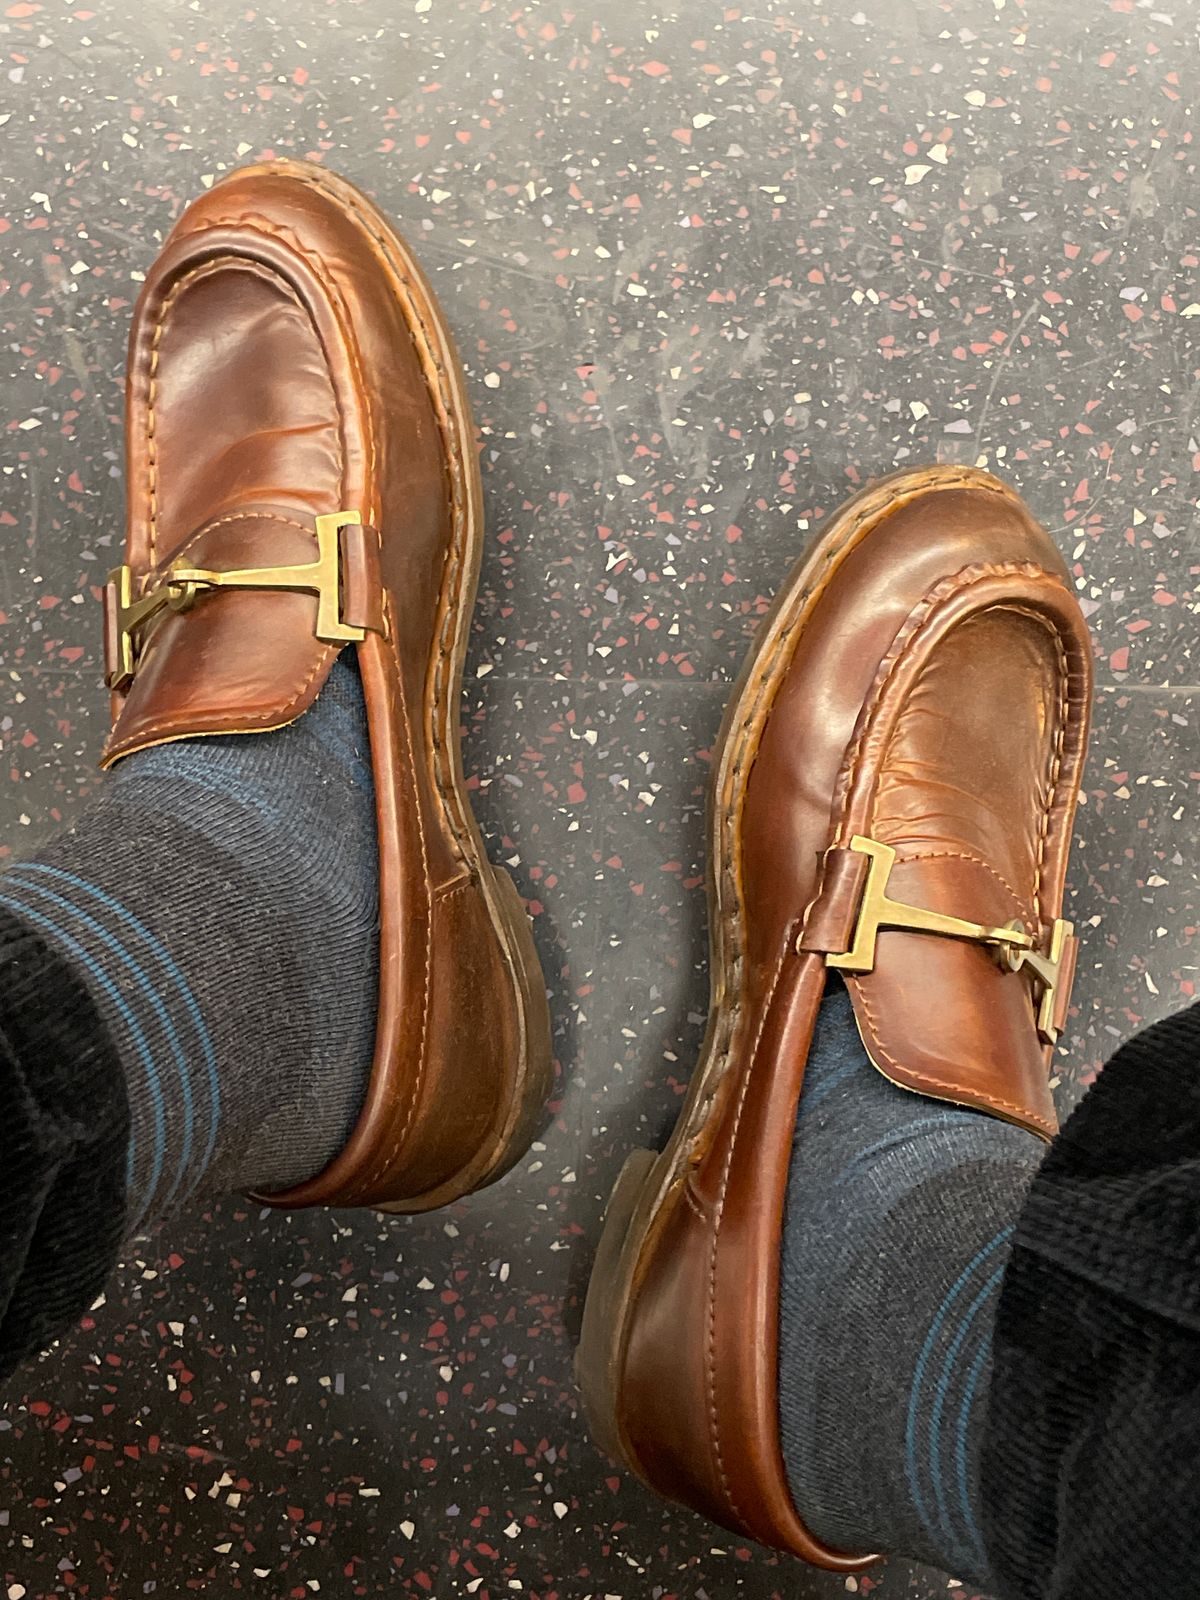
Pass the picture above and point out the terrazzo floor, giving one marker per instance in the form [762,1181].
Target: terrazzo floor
[710,267]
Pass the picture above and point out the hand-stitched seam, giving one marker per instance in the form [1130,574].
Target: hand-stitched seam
[256,516]
[1056,759]
[964,855]
[924,855]
[241,516]
[446,891]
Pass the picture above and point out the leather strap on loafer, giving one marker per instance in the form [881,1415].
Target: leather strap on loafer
[238,629]
[855,905]
[344,577]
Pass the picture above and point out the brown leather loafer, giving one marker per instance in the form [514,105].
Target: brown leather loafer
[302,475]
[893,797]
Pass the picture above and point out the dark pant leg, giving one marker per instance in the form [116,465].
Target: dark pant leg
[64,1132]
[1091,1475]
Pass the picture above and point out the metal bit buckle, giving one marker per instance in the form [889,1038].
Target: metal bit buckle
[181,584]
[1013,946]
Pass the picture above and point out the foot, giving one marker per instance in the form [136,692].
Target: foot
[908,733]
[303,482]
[274,953]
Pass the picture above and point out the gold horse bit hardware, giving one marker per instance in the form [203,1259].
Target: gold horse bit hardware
[181,584]
[1014,947]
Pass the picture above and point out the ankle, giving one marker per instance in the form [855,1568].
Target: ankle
[899,1216]
[223,896]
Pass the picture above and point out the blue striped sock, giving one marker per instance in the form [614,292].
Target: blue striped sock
[899,1218]
[219,899]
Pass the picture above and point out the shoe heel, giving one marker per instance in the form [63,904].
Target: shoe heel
[599,1359]
[533,1076]
[536,1070]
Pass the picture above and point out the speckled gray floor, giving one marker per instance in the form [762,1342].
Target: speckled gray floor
[710,267]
